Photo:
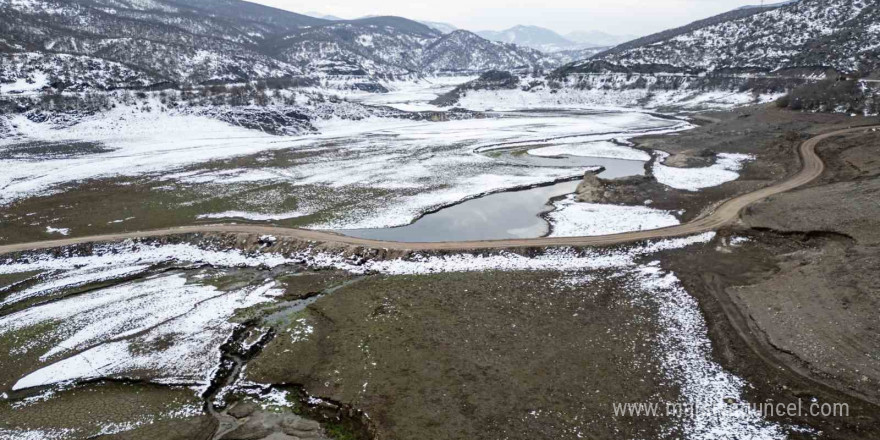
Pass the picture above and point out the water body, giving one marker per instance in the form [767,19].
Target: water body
[513,214]
[614,168]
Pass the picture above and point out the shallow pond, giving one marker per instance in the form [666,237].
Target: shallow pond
[512,214]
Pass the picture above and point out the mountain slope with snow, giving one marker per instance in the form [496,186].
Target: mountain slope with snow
[199,41]
[534,37]
[465,51]
[811,34]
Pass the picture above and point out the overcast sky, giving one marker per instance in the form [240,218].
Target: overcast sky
[639,17]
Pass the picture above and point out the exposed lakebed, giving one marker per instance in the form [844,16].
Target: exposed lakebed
[356,175]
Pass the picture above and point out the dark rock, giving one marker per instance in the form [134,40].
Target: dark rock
[691,159]
[591,189]
[491,80]
[370,87]
[259,426]
[633,190]
[242,409]
[300,427]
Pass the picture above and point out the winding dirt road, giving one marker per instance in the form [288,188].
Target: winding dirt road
[723,214]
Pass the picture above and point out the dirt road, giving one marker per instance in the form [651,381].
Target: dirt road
[723,214]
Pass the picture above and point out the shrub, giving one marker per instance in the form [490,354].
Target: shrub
[783,102]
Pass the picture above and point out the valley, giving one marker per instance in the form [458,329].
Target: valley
[225,221]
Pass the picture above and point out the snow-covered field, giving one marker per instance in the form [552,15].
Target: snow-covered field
[587,148]
[410,95]
[573,219]
[636,98]
[377,172]
[694,179]
[356,174]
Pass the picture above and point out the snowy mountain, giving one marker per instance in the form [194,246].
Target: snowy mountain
[175,40]
[323,16]
[199,41]
[446,28]
[367,46]
[769,5]
[534,37]
[598,39]
[463,51]
[811,36]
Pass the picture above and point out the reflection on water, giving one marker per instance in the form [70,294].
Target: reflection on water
[614,168]
[496,216]
[515,214]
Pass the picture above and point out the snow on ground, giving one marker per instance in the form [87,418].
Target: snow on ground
[409,95]
[571,142]
[635,98]
[119,261]
[195,317]
[35,434]
[181,340]
[55,282]
[24,85]
[118,311]
[694,179]
[686,352]
[105,326]
[254,216]
[142,142]
[413,166]
[606,149]
[573,219]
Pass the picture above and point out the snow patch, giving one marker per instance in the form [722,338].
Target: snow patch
[573,219]
[185,326]
[255,216]
[603,149]
[62,231]
[694,179]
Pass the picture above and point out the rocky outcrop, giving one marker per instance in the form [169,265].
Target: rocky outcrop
[633,190]
[256,424]
[491,80]
[591,189]
[6,128]
[691,159]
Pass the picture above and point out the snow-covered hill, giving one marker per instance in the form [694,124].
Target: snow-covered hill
[463,51]
[811,36]
[199,41]
[534,37]
[598,39]
[440,26]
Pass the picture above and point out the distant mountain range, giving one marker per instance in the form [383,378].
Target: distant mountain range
[598,39]
[323,16]
[531,36]
[546,40]
[769,5]
[442,27]
[199,41]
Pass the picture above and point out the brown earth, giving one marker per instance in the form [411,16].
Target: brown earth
[794,310]
[480,355]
